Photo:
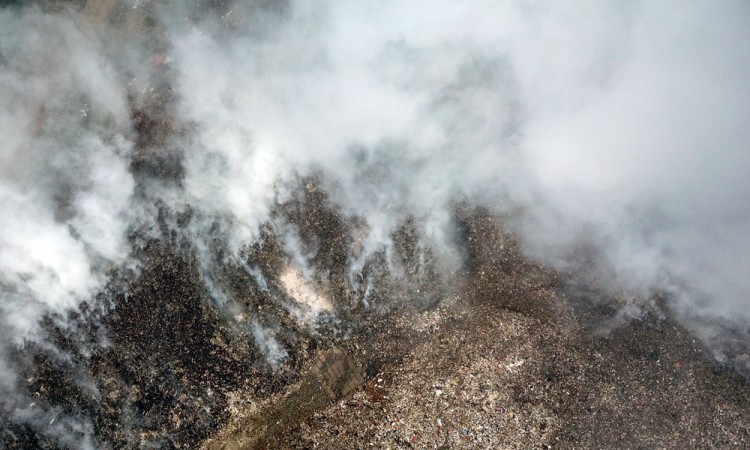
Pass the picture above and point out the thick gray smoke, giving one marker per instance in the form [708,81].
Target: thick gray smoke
[616,127]
[620,126]
[65,186]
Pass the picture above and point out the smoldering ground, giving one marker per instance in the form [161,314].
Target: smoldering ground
[613,135]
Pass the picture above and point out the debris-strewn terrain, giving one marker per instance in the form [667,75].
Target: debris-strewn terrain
[304,338]
[504,363]
[501,360]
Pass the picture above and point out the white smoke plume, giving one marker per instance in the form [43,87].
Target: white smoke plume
[274,352]
[621,124]
[617,126]
[65,186]
[65,189]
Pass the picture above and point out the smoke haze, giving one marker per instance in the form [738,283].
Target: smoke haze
[621,125]
[615,129]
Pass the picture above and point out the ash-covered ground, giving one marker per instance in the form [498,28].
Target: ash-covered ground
[306,334]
